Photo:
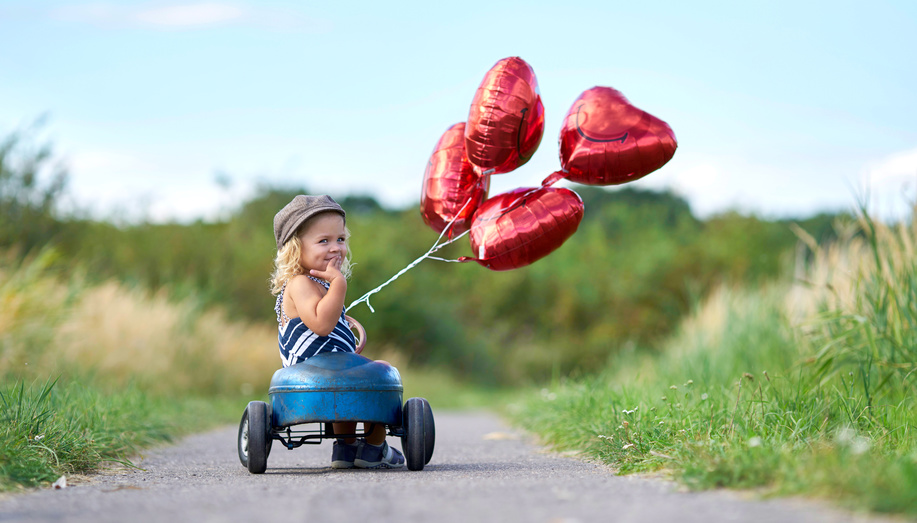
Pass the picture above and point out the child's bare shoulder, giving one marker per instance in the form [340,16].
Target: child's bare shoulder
[301,283]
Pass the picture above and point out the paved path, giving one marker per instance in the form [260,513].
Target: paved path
[481,471]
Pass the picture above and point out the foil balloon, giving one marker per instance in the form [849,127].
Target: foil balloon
[605,140]
[517,228]
[506,119]
[452,187]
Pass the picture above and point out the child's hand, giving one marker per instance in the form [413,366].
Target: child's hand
[332,270]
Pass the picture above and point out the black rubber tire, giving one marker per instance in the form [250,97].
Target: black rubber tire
[429,431]
[254,437]
[413,441]
[269,441]
[242,439]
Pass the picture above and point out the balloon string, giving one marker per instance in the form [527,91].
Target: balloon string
[436,246]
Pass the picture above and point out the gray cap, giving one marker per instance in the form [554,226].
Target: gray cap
[298,211]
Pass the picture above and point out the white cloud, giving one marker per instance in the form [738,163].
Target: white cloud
[701,180]
[95,13]
[716,183]
[187,16]
[896,168]
[109,162]
[128,187]
[190,15]
[891,184]
[695,181]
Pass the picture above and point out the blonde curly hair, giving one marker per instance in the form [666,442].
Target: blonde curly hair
[286,263]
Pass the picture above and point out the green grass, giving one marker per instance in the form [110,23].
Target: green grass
[49,429]
[784,389]
[445,392]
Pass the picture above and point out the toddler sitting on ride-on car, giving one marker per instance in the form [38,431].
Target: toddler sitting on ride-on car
[310,281]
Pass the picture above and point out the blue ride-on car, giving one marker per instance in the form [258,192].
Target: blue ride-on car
[306,398]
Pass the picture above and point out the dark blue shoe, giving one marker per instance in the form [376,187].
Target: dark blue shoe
[343,454]
[381,457]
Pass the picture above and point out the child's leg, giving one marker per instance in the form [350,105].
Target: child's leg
[344,451]
[348,427]
[377,436]
[376,453]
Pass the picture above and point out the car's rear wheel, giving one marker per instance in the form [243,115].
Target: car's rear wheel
[429,431]
[419,434]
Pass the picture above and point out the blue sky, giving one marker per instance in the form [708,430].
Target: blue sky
[780,108]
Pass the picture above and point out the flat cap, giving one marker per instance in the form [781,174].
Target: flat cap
[298,211]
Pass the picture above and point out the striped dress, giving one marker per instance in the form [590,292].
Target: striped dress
[298,342]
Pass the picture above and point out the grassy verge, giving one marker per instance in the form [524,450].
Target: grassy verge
[794,388]
[51,429]
[90,374]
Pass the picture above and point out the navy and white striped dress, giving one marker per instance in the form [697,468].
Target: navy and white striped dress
[298,342]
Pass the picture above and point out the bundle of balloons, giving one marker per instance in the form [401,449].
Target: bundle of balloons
[604,140]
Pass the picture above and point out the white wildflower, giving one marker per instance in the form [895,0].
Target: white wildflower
[859,445]
[845,436]
[548,395]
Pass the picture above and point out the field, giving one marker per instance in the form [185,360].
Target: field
[733,351]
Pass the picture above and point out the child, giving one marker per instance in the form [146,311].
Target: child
[310,280]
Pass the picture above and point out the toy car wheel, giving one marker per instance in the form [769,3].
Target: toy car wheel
[254,437]
[429,431]
[418,438]
[242,440]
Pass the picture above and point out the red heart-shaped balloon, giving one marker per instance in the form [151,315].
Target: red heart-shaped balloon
[506,119]
[452,187]
[517,228]
[607,141]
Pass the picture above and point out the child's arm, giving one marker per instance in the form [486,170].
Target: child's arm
[320,313]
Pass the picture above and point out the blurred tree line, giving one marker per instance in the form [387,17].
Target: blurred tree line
[638,262]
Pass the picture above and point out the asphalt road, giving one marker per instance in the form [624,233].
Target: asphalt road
[481,471]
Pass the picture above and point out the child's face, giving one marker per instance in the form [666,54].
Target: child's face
[324,240]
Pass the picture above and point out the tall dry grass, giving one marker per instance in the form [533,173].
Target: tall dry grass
[93,373]
[31,307]
[803,385]
[115,335]
[860,314]
[122,335]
